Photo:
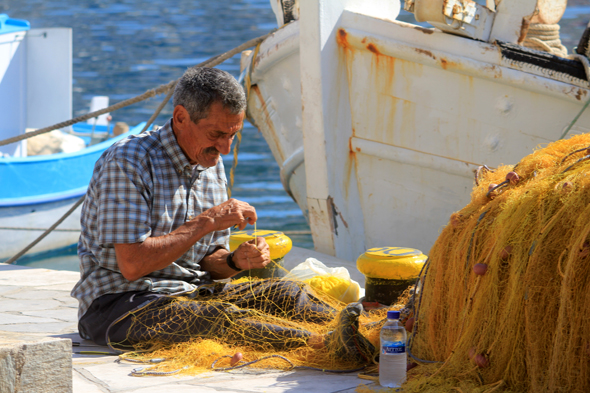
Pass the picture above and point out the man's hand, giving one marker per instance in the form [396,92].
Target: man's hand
[139,259]
[251,255]
[248,255]
[229,213]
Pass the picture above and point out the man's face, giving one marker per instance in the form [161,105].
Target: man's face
[202,143]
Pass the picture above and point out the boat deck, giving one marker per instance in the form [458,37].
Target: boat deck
[35,305]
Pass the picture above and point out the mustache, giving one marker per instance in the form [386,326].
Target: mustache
[211,149]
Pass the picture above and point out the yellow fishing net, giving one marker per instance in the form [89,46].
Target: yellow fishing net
[233,338]
[505,298]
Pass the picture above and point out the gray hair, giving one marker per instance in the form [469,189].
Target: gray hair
[199,87]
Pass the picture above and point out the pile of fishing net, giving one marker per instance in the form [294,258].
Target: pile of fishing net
[229,343]
[505,297]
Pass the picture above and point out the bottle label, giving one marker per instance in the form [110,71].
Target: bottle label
[393,348]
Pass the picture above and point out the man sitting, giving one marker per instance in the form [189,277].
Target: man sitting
[155,225]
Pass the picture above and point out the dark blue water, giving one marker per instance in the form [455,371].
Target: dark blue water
[121,48]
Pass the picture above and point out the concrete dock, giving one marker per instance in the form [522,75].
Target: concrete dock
[38,323]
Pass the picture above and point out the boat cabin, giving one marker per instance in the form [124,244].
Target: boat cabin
[35,79]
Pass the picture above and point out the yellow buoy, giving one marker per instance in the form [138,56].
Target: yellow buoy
[278,243]
[389,271]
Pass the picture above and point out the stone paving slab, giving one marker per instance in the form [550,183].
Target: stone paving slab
[81,384]
[58,315]
[35,304]
[42,366]
[40,303]
[7,318]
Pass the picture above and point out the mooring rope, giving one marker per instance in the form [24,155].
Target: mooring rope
[247,83]
[545,38]
[148,94]
[169,87]
[47,232]
[36,229]
[232,171]
[569,127]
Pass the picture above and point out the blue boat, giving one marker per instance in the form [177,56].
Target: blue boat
[35,92]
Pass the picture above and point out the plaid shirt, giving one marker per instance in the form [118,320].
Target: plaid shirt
[144,186]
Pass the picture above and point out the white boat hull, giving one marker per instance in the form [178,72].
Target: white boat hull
[378,125]
[20,225]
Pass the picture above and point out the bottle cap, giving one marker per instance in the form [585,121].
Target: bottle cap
[392,314]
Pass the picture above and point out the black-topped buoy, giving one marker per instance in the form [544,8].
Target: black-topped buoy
[389,271]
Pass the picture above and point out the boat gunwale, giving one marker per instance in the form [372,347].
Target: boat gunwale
[43,198]
[64,194]
[88,150]
[498,71]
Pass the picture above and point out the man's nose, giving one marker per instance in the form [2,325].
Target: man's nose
[224,145]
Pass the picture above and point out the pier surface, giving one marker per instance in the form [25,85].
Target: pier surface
[38,318]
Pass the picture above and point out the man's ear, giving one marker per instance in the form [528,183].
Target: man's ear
[180,116]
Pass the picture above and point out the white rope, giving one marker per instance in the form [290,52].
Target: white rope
[585,62]
[545,38]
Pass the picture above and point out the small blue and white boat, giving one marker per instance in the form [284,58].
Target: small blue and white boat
[35,92]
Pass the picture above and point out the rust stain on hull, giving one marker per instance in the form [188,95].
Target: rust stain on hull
[373,48]
[425,52]
[346,53]
[423,29]
[341,38]
[350,164]
[580,94]
[348,170]
[445,64]
[379,58]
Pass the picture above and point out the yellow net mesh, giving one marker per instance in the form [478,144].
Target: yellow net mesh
[237,331]
[505,303]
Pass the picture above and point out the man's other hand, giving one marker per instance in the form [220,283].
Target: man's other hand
[253,254]
[230,213]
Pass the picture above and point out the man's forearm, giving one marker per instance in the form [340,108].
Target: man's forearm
[216,265]
[140,259]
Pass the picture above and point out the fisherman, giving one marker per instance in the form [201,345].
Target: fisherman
[156,223]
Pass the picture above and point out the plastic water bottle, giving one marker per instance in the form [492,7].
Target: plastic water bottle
[392,360]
